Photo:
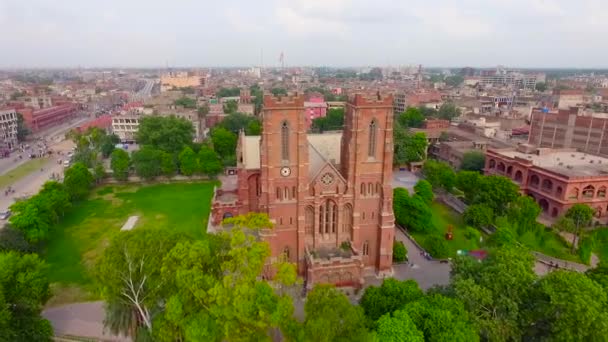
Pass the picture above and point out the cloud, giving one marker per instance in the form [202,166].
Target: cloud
[300,24]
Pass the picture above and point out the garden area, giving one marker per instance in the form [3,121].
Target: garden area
[81,236]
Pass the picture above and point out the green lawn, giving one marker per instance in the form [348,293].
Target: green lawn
[443,216]
[80,238]
[548,243]
[21,171]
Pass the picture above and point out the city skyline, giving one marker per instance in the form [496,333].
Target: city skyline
[338,33]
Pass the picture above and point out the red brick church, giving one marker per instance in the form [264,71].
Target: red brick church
[329,195]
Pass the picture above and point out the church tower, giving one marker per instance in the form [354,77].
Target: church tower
[366,163]
[284,173]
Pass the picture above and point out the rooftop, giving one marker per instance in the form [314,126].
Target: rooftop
[568,163]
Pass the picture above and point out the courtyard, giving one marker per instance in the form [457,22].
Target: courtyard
[79,239]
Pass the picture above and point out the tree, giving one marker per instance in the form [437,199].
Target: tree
[146,162]
[567,306]
[411,118]
[495,291]
[448,111]
[424,189]
[217,291]
[278,91]
[408,147]
[541,87]
[188,163]
[129,273]
[331,317]
[439,174]
[473,161]
[399,251]
[391,296]
[228,92]
[209,162]
[397,327]
[57,196]
[522,213]
[33,217]
[14,240]
[235,122]
[497,192]
[167,164]
[78,181]
[22,130]
[333,120]
[437,246]
[185,102]
[599,274]
[99,172]
[581,215]
[412,212]
[441,318]
[120,164]
[169,134]
[468,182]
[24,289]
[230,106]
[479,215]
[224,142]
[254,127]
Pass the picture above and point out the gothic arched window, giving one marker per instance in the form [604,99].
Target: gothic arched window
[284,141]
[371,150]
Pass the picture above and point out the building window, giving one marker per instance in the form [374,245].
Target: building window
[286,252]
[365,248]
[588,191]
[293,191]
[372,138]
[370,189]
[285,141]
[601,192]
[328,217]
[573,194]
[347,218]
[278,193]
[362,189]
[309,218]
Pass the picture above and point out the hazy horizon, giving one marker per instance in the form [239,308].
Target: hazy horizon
[526,34]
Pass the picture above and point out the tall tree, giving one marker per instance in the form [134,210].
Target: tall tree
[167,164]
[24,289]
[424,189]
[146,162]
[392,295]
[448,111]
[224,142]
[581,215]
[169,134]
[397,327]
[522,213]
[209,161]
[230,106]
[57,195]
[468,182]
[411,118]
[33,217]
[473,161]
[331,317]
[478,215]
[497,192]
[120,164]
[188,163]
[439,174]
[78,181]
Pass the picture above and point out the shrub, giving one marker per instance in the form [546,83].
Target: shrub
[437,246]
[472,234]
[585,248]
[399,252]
[14,240]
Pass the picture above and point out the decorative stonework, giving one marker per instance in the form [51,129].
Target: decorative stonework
[327,179]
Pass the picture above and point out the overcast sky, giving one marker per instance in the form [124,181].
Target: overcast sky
[150,33]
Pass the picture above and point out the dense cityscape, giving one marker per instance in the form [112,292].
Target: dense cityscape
[283,202]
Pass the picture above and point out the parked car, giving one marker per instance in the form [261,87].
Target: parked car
[5,214]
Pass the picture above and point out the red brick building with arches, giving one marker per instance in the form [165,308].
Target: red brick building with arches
[555,178]
[329,195]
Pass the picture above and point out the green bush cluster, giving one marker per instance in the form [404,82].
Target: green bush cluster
[399,252]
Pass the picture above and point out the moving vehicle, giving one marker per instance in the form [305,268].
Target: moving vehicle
[5,214]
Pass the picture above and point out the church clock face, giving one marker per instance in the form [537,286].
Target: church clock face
[285,171]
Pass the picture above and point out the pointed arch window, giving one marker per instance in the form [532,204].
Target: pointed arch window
[373,128]
[285,141]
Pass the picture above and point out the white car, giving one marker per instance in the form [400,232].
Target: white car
[5,214]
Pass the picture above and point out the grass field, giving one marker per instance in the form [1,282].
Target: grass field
[78,241]
[22,171]
[549,243]
[444,216]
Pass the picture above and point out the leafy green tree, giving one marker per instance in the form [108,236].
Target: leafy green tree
[22,130]
[333,120]
[99,172]
[234,122]
[278,91]
[167,164]
[33,217]
[412,212]
[185,102]
[495,291]
[468,182]
[439,174]
[497,192]
[24,289]
[581,215]
[120,164]
[209,162]
[78,181]
[522,213]
[109,144]
[448,111]
[479,215]
[57,196]
[331,317]
[599,274]
[424,189]
[254,127]
[541,86]
[473,161]
[391,296]
[169,134]
[437,246]
[397,327]
[567,306]
[231,106]
[442,318]
[411,118]
[399,251]
[228,92]
[224,142]
[146,162]
[129,273]
[408,147]
[188,163]
[14,240]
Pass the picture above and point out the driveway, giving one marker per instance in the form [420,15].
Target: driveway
[404,179]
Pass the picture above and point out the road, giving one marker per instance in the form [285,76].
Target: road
[146,91]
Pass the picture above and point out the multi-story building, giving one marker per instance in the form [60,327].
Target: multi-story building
[180,80]
[567,129]
[126,127]
[329,195]
[37,120]
[556,178]
[567,98]
[8,129]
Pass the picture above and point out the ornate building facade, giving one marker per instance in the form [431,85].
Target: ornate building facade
[329,195]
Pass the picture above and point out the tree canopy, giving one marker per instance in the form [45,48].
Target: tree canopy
[333,120]
[169,134]
[119,164]
[473,161]
[78,181]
